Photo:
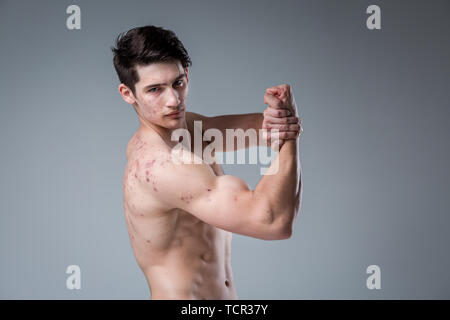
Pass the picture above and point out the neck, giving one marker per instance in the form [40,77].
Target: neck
[164,133]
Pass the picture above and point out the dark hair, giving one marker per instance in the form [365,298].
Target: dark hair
[145,45]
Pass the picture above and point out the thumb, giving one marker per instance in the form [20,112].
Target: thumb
[272,101]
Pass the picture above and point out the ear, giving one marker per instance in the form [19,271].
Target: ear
[186,71]
[126,94]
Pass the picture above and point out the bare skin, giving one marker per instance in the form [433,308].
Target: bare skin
[180,218]
[181,256]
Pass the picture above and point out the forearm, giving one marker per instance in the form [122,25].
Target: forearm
[281,187]
[234,122]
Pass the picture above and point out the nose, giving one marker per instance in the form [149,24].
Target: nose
[172,97]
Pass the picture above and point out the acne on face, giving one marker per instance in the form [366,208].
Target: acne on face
[152,89]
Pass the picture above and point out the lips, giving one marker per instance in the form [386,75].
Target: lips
[175,113]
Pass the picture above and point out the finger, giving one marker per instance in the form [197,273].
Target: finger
[273,101]
[281,91]
[291,136]
[283,127]
[270,119]
[271,136]
[282,135]
[274,90]
[276,146]
[279,113]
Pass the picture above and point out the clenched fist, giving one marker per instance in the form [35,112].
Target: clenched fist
[281,114]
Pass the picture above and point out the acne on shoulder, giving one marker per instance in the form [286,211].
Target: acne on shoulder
[187,198]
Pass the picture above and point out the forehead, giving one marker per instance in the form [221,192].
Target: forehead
[161,72]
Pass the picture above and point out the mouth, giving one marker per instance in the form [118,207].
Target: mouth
[174,114]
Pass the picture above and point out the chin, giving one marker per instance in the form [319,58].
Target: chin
[174,123]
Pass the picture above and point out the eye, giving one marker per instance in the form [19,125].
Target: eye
[155,89]
[178,83]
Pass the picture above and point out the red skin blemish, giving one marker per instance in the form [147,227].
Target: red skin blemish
[148,179]
[148,241]
[187,198]
[155,189]
[208,189]
[146,172]
[135,175]
[142,145]
[150,164]
[235,198]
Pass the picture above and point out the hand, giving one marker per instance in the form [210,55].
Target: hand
[281,114]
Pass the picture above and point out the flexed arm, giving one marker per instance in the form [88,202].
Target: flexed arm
[283,186]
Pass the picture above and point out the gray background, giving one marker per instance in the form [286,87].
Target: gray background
[374,151]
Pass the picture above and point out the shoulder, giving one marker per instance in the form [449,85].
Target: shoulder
[170,176]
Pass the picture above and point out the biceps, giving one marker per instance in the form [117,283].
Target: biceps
[230,206]
[225,202]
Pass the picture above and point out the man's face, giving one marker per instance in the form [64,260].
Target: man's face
[162,89]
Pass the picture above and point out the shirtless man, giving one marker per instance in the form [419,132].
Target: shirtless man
[180,217]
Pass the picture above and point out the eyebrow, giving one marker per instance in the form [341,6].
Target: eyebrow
[160,84]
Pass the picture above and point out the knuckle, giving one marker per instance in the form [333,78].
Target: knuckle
[287,87]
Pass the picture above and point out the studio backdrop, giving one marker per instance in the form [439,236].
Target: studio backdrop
[371,81]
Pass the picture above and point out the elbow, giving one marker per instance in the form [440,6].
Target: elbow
[285,232]
[279,225]
[288,218]
[280,230]
[284,227]
[280,234]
